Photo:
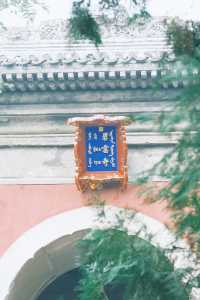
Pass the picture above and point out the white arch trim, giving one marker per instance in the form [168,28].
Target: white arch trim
[26,247]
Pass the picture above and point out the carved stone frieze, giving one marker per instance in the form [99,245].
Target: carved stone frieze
[53,30]
[50,44]
[45,58]
[112,27]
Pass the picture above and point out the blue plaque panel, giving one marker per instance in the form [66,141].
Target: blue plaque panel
[101,148]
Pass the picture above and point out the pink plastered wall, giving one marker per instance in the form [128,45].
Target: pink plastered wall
[24,206]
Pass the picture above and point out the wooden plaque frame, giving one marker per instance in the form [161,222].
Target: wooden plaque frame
[95,180]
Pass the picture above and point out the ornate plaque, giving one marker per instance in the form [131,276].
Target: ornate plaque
[100,151]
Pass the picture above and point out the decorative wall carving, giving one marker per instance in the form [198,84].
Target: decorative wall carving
[50,44]
[129,52]
[112,27]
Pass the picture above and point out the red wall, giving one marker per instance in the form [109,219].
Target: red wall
[24,206]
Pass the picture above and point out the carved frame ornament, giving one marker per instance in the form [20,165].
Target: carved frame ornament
[86,180]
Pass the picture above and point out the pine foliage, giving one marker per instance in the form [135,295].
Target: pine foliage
[84,26]
[181,166]
[128,267]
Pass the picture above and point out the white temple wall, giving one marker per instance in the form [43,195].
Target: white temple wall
[56,164]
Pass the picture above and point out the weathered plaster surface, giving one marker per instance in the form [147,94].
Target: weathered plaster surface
[55,164]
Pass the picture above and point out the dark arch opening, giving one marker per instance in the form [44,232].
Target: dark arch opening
[63,288]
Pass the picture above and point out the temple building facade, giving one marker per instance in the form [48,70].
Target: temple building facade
[47,79]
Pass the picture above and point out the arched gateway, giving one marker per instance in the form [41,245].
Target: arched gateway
[48,250]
